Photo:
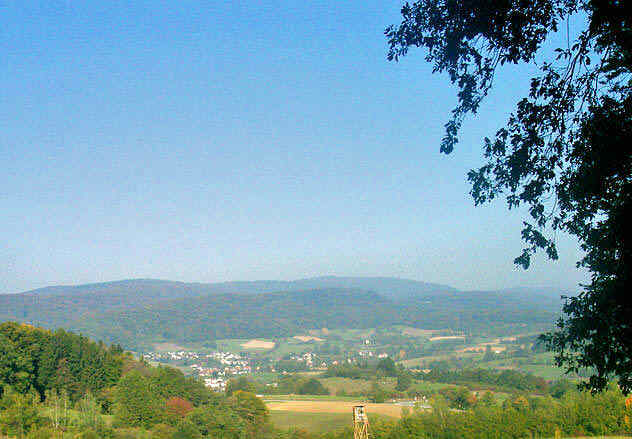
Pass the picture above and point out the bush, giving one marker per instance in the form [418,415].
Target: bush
[177,408]
[131,433]
[312,387]
[242,383]
[41,433]
[186,430]
[162,431]
[377,394]
[404,380]
[561,387]
[88,434]
[387,367]
[135,405]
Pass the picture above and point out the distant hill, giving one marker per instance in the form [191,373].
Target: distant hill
[140,311]
[54,306]
[283,314]
[223,316]
[164,289]
[390,287]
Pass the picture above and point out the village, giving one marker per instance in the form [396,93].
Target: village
[215,368]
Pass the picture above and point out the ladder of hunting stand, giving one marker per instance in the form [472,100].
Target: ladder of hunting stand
[360,423]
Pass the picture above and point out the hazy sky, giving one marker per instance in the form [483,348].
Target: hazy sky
[221,141]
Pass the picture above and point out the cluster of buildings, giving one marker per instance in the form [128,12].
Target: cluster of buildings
[310,359]
[370,354]
[218,384]
[314,362]
[229,359]
[175,356]
[214,368]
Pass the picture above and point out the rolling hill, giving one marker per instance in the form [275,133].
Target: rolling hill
[163,289]
[135,312]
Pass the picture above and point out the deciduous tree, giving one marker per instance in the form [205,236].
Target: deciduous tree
[565,152]
[134,404]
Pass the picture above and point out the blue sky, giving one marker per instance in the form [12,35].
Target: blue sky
[212,141]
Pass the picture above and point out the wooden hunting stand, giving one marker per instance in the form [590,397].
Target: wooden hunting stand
[360,423]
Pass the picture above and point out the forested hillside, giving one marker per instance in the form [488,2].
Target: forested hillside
[60,305]
[58,384]
[386,286]
[137,312]
[288,313]
[34,359]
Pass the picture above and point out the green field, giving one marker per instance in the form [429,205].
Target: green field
[418,362]
[541,364]
[427,387]
[293,346]
[348,385]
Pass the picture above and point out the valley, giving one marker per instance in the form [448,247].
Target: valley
[340,360]
[310,355]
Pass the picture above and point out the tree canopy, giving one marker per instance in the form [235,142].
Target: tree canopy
[564,152]
[59,383]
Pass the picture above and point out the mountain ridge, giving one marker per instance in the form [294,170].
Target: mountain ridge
[271,285]
[380,284]
[136,311]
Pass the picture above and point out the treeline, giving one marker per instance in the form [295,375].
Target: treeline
[163,401]
[299,385]
[286,385]
[150,403]
[508,380]
[38,360]
[490,378]
[575,414]
[61,385]
[364,369]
